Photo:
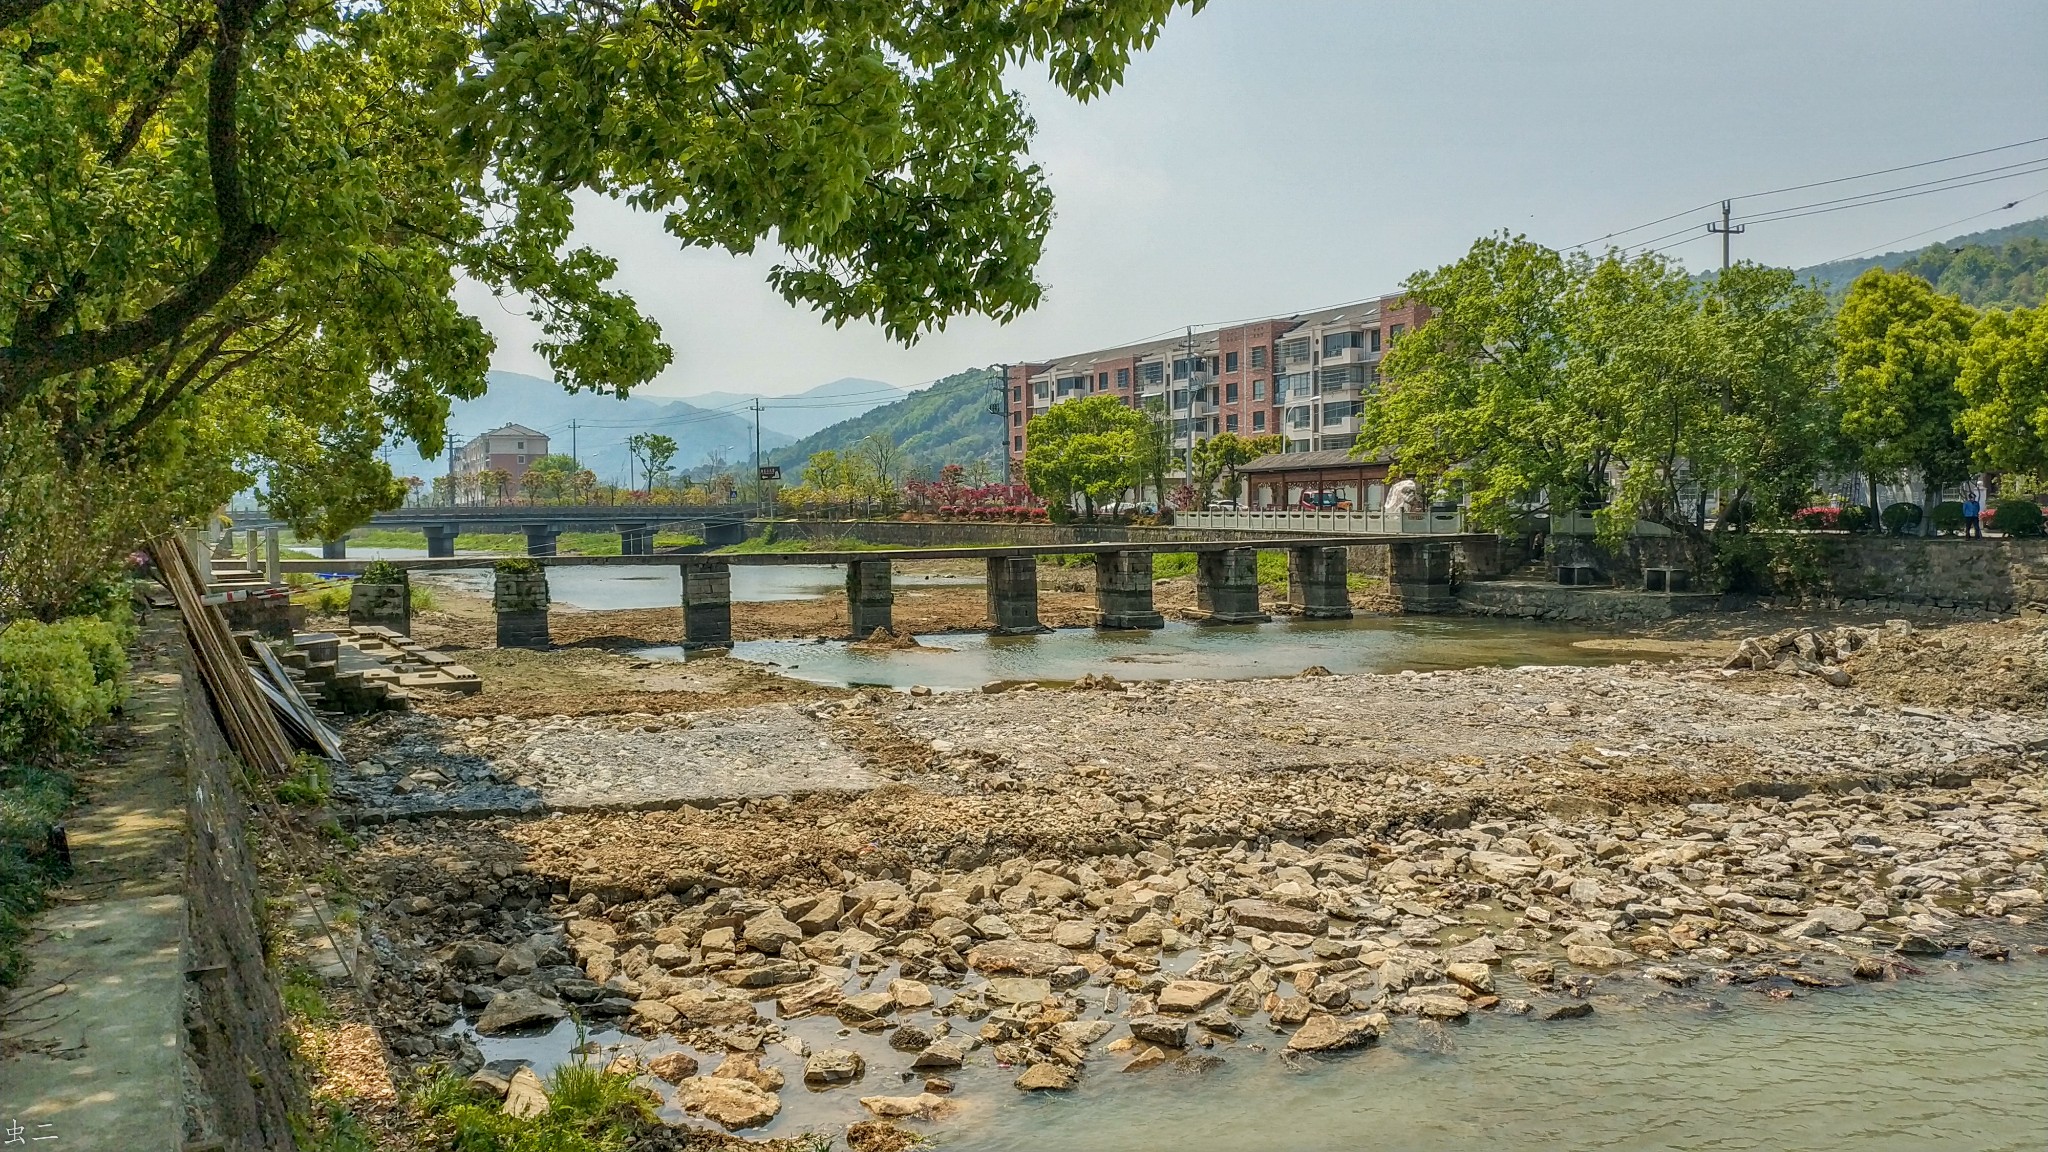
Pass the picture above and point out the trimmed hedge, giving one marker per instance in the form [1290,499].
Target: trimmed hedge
[56,682]
[1899,518]
[1948,517]
[2016,518]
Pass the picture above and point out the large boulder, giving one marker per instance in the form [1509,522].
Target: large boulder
[733,1104]
[1322,1032]
[832,1066]
[517,1010]
[1190,995]
[1268,916]
[1018,958]
[769,931]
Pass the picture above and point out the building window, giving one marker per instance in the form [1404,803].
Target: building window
[1017,394]
[1230,361]
[1230,422]
[1373,340]
[1338,413]
[1153,373]
[1230,392]
[1259,420]
[1296,351]
[1337,343]
[1394,332]
[1016,443]
[1016,419]
[521,446]
[1258,389]
[1123,377]
[1180,399]
[1259,356]
[521,459]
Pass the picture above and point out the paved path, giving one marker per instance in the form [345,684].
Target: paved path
[91,1038]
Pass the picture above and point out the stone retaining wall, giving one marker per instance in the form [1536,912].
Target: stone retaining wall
[1904,573]
[1535,600]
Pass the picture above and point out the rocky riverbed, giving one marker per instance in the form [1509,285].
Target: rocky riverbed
[924,904]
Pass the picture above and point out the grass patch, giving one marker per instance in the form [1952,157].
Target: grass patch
[309,784]
[336,1130]
[32,801]
[589,1111]
[760,544]
[302,997]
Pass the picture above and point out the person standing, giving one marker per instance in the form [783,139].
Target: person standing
[1973,513]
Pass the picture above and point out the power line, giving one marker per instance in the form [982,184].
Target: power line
[1927,187]
[1796,188]
[2005,207]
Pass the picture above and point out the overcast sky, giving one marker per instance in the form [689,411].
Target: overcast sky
[1271,156]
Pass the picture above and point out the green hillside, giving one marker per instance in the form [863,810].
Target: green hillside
[947,423]
[2001,268]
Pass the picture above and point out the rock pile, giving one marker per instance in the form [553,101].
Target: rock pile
[1053,968]
[1812,651]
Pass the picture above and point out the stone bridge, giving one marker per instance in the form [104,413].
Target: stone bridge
[1226,581]
[636,524]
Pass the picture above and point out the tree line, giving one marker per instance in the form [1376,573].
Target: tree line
[1622,386]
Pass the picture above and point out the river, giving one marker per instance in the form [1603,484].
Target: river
[1956,1060]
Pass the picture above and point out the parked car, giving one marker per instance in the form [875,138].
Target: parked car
[1325,501]
[1224,506]
[1131,508]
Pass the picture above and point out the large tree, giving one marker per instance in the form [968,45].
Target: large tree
[2004,381]
[1618,385]
[1092,448]
[231,230]
[1901,349]
[1220,456]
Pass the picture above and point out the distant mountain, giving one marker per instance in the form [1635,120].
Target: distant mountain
[947,423]
[1999,268]
[602,425]
[808,411]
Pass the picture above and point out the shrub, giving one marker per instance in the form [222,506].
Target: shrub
[421,598]
[56,682]
[1819,518]
[1856,518]
[1947,517]
[2016,518]
[1899,518]
[517,566]
[383,572]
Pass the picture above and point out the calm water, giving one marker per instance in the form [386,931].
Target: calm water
[661,585]
[962,661]
[1956,1060]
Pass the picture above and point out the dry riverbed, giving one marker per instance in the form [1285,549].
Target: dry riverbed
[918,905]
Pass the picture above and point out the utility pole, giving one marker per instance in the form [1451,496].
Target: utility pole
[454,443]
[572,444]
[1726,230]
[757,450]
[1000,409]
[1188,462]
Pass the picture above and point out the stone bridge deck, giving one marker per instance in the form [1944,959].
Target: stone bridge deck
[1226,581]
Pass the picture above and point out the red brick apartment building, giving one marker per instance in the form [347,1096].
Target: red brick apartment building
[1302,377]
[510,449]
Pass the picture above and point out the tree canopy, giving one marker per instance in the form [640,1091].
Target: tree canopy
[1091,448]
[233,228]
[1610,384]
[1901,350]
[2004,378]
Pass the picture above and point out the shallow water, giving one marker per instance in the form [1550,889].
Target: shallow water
[661,585]
[963,661]
[1955,1060]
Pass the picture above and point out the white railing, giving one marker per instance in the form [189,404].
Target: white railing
[1325,523]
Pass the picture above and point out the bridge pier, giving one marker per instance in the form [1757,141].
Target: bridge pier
[1420,575]
[1013,595]
[540,539]
[1317,584]
[1123,591]
[707,606]
[441,540]
[335,549]
[636,540]
[521,600]
[722,533]
[870,597]
[1227,586]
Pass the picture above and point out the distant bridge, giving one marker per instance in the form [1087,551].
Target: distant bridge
[636,524]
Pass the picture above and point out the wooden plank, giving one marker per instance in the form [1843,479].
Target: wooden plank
[320,736]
